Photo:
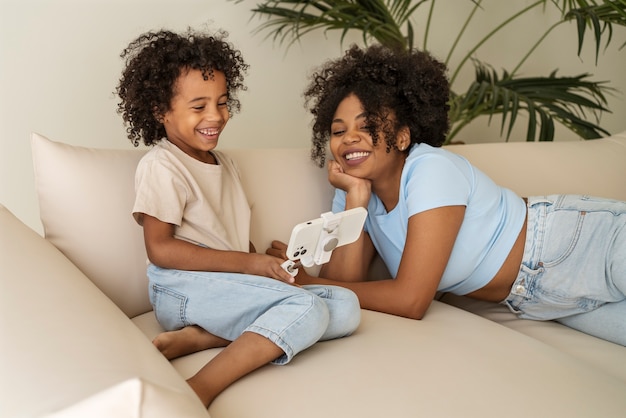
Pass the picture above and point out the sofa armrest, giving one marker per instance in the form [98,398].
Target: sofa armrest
[63,340]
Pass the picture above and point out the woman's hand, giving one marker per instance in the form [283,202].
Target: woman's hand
[358,190]
[278,249]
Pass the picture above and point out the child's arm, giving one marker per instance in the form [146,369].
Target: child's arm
[166,251]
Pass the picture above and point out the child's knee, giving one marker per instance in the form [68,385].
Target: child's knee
[319,314]
[349,300]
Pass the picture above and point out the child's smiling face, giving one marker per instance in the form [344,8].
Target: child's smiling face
[198,113]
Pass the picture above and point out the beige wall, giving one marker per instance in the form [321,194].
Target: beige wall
[59,64]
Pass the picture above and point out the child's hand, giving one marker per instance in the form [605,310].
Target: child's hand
[268,266]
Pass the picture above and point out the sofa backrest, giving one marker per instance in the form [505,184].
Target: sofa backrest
[596,167]
[86,196]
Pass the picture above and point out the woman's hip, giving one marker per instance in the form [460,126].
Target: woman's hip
[574,257]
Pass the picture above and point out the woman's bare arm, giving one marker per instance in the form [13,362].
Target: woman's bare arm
[430,239]
[349,263]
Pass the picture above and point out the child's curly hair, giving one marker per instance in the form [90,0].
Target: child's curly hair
[155,60]
[413,86]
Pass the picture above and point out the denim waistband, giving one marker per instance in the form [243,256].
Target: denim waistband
[536,218]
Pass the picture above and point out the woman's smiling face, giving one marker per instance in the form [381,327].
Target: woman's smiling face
[353,148]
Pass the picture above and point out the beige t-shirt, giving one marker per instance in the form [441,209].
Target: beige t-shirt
[205,202]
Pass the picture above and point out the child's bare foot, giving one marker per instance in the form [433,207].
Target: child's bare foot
[191,339]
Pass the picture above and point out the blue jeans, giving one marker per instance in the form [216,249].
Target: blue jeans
[574,265]
[229,304]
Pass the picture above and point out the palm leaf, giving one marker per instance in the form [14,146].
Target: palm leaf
[380,20]
[598,16]
[544,100]
[566,100]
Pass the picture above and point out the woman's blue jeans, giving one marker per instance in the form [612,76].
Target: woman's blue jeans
[229,304]
[574,265]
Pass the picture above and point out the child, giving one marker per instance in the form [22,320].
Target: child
[440,224]
[208,287]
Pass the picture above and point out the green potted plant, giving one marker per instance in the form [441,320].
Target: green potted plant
[575,102]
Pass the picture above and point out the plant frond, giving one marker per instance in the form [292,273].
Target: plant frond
[380,20]
[575,102]
[569,101]
[599,16]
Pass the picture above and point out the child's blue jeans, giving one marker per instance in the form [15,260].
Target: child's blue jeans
[574,265]
[229,304]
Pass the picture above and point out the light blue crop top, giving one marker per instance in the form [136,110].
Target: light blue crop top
[434,177]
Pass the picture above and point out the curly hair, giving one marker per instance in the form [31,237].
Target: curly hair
[155,60]
[413,86]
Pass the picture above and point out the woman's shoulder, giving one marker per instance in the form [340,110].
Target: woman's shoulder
[434,168]
[425,156]
[423,150]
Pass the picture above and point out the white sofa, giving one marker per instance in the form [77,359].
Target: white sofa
[76,322]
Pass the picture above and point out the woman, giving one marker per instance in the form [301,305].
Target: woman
[439,223]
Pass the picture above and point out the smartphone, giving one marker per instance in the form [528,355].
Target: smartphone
[313,242]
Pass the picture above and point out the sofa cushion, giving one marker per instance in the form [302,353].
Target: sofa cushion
[450,364]
[85,201]
[284,188]
[584,347]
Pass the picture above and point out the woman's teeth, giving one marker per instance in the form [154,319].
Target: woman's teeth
[355,155]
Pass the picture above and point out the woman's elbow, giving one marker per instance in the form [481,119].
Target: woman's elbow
[419,316]
[416,309]
[415,315]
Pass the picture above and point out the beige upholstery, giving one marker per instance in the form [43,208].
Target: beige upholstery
[76,186]
[62,339]
[133,398]
[67,347]
[595,167]
[451,364]
[86,196]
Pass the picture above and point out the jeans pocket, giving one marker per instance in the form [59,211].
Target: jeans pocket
[169,307]
[561,236]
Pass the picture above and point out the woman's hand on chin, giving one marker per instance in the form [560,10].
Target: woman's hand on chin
[358,189]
